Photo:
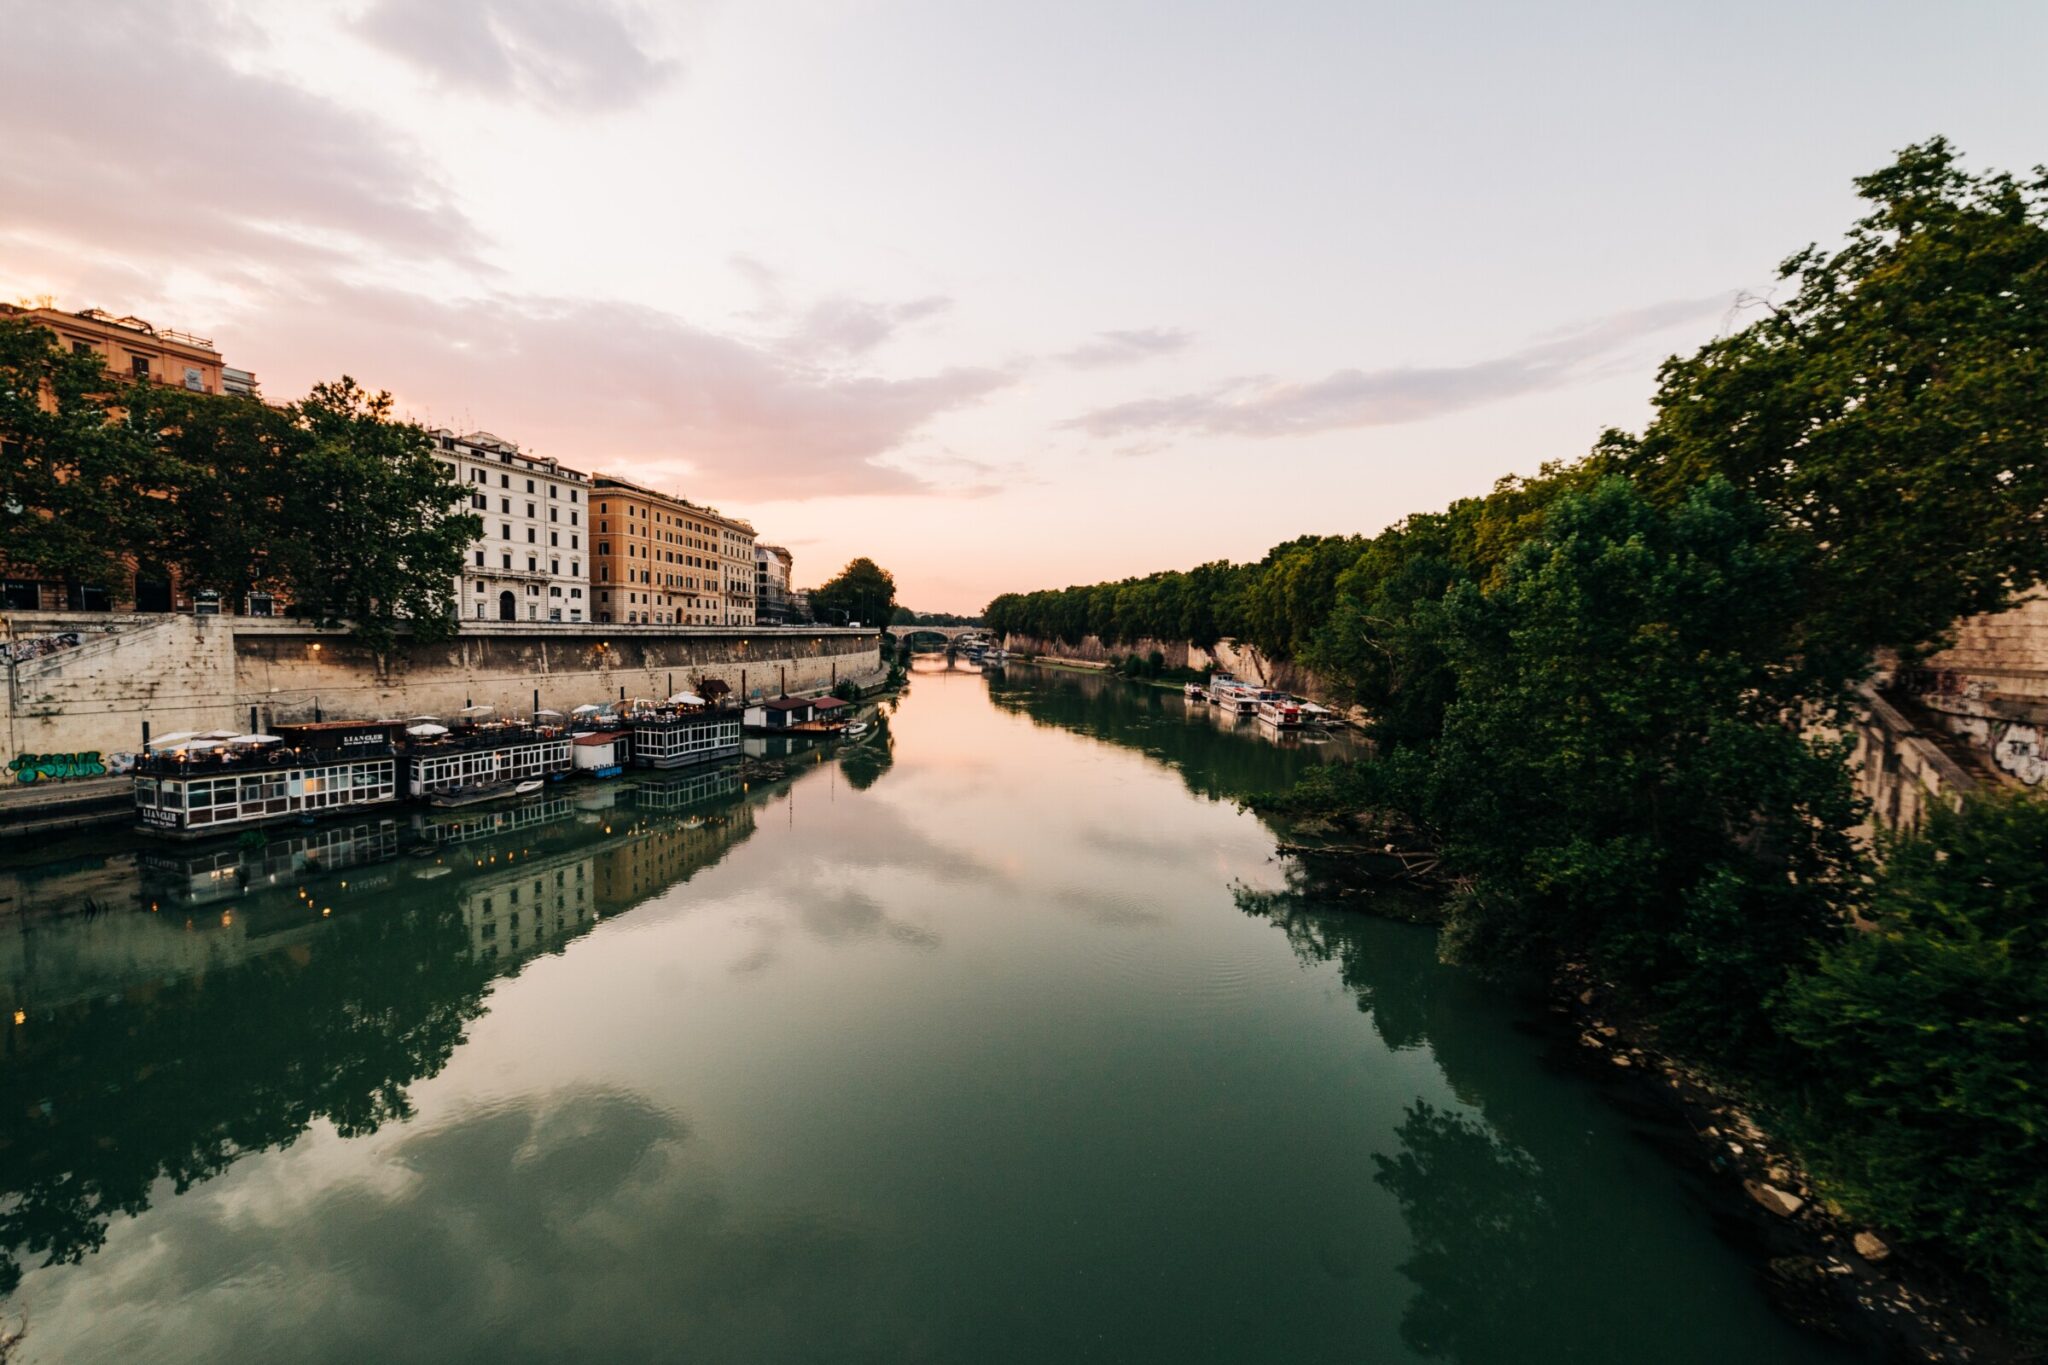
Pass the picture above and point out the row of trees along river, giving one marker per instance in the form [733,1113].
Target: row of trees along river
[1610,696]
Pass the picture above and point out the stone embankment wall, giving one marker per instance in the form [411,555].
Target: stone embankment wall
[91,695]
[1229,656]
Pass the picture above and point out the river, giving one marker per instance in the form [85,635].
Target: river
[998,1039]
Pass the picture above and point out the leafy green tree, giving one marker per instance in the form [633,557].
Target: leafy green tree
[376,539]
[233,465]
[1893,410]
[863,591]
[1617,774]
[1924,1044]
[76,483]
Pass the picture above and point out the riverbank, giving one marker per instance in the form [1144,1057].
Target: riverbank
[1819,1267]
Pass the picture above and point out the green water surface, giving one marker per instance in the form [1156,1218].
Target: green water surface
[998,1039]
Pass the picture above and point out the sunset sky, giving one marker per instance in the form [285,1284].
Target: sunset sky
[1006,295]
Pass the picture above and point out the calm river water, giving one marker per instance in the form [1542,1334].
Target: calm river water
[986,1043]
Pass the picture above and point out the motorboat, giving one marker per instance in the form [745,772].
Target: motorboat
[856,729]
[457,797]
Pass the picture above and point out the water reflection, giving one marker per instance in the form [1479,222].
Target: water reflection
[182,1008]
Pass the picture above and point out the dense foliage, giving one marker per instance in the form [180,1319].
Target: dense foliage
[1924,1046]
[328,502]
[861,592]
[904,616]
[1606,693]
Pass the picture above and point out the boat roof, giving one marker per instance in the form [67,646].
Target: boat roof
[600,737]
[828,703]
[788,703]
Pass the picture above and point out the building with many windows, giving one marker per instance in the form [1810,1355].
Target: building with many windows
[773,603]
[528,565]
[662,560]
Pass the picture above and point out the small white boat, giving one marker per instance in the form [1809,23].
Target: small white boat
[529,787]
[1194,693]
[857,729]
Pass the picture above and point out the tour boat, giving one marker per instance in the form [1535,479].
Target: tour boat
[1280,714]
[1234,698]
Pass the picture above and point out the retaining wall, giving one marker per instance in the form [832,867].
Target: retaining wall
[181,672]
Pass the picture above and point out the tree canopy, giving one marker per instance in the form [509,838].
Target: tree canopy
[329,502]
[863,591]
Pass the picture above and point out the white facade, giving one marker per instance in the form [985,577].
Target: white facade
[531,562]
[772,566]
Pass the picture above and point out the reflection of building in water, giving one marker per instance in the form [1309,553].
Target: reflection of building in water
[529,906]
[695,790]
[666,852]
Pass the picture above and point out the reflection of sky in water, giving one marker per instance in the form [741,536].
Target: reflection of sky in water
[973,1058]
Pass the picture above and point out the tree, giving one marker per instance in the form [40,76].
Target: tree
[374,537]
[76,486]
[1893,410]
[233,464]
[1923,1039]
[1618,773]
[863,591]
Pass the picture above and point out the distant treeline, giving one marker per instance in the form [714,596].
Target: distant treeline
[1602,694]
[906,617]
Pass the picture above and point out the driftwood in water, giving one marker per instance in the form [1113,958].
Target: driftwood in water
[1385,863]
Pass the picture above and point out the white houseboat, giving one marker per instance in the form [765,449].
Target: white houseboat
[681,737]
[190,786]
[438,760]
[1281,713]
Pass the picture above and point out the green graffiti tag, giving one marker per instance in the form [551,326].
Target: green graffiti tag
[56,767]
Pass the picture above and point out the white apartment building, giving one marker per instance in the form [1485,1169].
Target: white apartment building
[529,563]
[773,605]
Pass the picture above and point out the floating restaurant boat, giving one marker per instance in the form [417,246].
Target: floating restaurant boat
[1232,697]
[198,786]
[481,754]
[678,735]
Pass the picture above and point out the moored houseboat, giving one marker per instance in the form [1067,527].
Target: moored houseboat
[481,755]
[680,736]
[206,786]
[1282,713]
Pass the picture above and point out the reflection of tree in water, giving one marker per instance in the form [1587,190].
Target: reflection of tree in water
[864,764]
[1483,1226]
[1390,969]
[179,1080]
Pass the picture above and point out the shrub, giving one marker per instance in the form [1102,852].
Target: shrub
[1927,1042]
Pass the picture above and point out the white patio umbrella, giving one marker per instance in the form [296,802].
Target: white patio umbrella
[172,741]
[423,718]
[427,731]
[545,711]
[478,709]
[216,734]
[686,699]
[255,739]
[588,708]
[198,744]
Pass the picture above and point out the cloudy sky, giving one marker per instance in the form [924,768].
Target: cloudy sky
[1005,294]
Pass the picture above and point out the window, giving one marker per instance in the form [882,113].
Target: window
[572,498]
[504,481]
[554,537]
[529,488]
[572,515]
[554,492]
[479,559]
[555,567]
[507,559]
[575,568]
[572,540]
[554,513]
[505,506]
[531,566]
[532,535]
[138,365]
[529,506]
[504,530]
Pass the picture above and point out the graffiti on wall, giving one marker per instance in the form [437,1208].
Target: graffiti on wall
[36,646]
[29,768]
[2018,751]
